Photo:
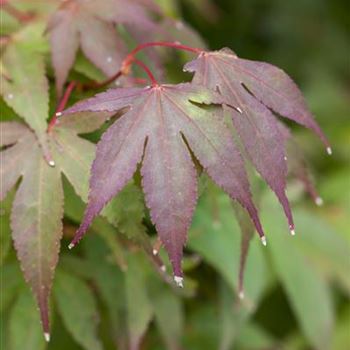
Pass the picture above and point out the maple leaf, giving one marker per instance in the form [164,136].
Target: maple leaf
[256,88]
[162,123]
[37,211]
[90,26]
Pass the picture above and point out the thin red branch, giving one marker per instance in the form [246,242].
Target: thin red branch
[174,45]
[130,58]
[128,61]
[97,85]
[147,70]
[61,106]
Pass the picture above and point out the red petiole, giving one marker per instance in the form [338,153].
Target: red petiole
[62,105]
[130,58]
[147,70]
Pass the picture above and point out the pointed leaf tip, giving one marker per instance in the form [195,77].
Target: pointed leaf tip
[179,281]
[263,240]
[47,337]
[71,246]
[292,232]
[241,295]
[329,151]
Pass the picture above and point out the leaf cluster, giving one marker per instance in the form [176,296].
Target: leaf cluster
[162,148]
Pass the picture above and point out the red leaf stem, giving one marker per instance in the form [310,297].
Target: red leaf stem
[62,105]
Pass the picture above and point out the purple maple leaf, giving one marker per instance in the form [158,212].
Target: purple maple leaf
[162,125]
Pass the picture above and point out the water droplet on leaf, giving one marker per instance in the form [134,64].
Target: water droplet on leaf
[319,201]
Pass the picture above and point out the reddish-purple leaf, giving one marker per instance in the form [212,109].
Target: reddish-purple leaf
[252,88]
[269,84]
[160,125]
[90,26]
[247,232]
[36,217]
[38,206]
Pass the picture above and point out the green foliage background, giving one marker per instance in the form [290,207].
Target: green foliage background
[297,289]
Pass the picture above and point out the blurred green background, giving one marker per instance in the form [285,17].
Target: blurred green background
[297,289]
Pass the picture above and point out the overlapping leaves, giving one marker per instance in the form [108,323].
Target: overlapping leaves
[163,124]
[256,89]
[164,128]
[37,209]
[90,26]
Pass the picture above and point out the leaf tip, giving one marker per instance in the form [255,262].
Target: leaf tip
[319,201]
[71,246]
[163,268]
[329,151]
[292,230]
[179,281]
[58,114]
[52,163]
[47,337]
[263,240]
[241,294]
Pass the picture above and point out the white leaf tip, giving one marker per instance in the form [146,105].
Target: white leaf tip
[179,281]
[263,241]
[163,268]
[319,201]
[52,163]
[47,336]
[241,295]
[71,246]
[329,151]
[58,114]
[292,232]
[154,251]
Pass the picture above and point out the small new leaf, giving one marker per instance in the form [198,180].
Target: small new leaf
[162,124]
